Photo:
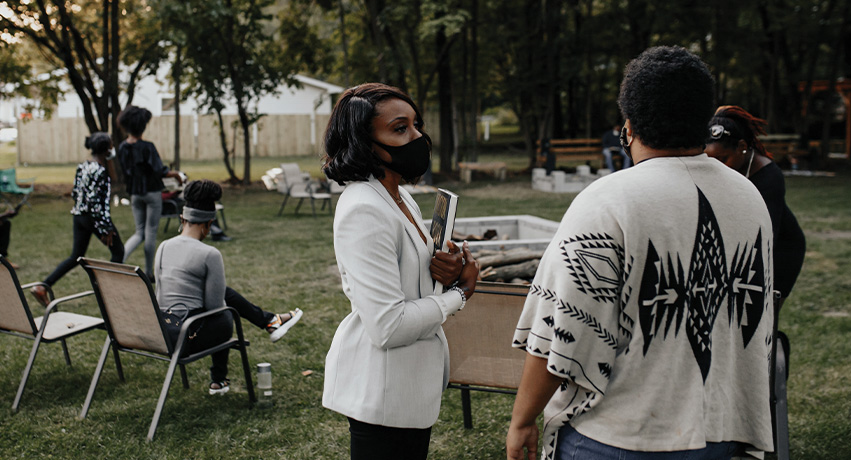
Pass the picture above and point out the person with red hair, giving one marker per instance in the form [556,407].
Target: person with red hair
[734,140]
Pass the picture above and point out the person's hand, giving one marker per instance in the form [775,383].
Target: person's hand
[470,272]
[520,437]
[446,266]
[107,239]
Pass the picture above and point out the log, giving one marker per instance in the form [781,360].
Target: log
[523,270]
[513,256]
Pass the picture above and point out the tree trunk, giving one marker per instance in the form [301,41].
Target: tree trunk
[177,72]
[373,8]
[444,97]
[246,142]
[474,82]
[833,74]
[810,72]
[114,61]
[224,142]
[344,43]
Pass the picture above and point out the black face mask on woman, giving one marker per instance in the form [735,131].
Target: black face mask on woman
[410,160]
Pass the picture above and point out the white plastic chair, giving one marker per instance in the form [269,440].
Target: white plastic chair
[292,182]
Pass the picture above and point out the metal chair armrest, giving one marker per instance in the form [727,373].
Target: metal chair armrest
[183,329]
[56,302]
[314,186]
[40,283]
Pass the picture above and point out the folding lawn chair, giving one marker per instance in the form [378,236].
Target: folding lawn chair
[480,351]
[55,326]
[779,374]
[134,324]
[294,183]
[10,184]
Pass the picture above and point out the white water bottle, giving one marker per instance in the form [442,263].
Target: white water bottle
[264,385]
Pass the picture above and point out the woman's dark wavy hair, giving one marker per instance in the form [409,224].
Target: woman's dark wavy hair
[99,143]
[202,194]
[349,155]
[134,120]
[742,126]
[667,94]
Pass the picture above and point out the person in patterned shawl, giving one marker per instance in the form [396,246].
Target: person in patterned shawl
[648,324]
[91,211]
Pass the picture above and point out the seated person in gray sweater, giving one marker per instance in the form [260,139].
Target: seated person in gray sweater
[191,279]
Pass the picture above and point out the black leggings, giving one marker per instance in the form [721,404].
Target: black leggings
[84,228]
[377,442]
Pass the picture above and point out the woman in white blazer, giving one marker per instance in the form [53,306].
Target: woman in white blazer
[389,362]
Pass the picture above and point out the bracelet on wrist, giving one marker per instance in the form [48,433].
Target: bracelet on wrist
[463,296]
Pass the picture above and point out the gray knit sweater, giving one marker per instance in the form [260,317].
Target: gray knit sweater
[191,273]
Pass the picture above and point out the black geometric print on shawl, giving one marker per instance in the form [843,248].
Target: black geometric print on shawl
[569,375]
[605,370]
[662,296]
[595,265]
[625,322]
[707,284]
[666,295]
[576,313]
[747,296]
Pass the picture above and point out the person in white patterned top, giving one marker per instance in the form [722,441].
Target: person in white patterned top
[91,211]
[648,324]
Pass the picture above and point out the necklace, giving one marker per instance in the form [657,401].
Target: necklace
[397,200]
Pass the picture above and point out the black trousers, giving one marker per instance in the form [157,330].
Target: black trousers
[5,231]
[203,334]
[376,442]
[84,228]
[215,329]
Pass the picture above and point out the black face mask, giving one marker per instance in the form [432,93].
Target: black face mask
[410,160]
[625,143]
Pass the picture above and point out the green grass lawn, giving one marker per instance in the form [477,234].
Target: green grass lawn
[288,261]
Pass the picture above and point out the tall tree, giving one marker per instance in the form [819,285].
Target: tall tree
[65,33]
[231,57]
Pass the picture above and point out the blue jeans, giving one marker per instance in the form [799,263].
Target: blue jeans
[609,164]
[147,210]
[574,446]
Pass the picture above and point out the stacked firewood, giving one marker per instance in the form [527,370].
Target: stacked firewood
[516,266]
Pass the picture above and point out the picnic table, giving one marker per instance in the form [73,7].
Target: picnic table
[497,168]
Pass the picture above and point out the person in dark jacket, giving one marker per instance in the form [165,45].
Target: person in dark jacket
[733,139]
[143,173]
[91,194]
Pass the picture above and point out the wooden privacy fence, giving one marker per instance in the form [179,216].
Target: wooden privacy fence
[60,140]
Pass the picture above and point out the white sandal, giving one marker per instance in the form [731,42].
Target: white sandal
[223,387]
[278,327]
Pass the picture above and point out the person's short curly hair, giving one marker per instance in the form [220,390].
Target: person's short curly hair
[668,95]
[134,120]
[349,155]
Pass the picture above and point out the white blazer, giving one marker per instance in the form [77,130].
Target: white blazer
[389,362]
